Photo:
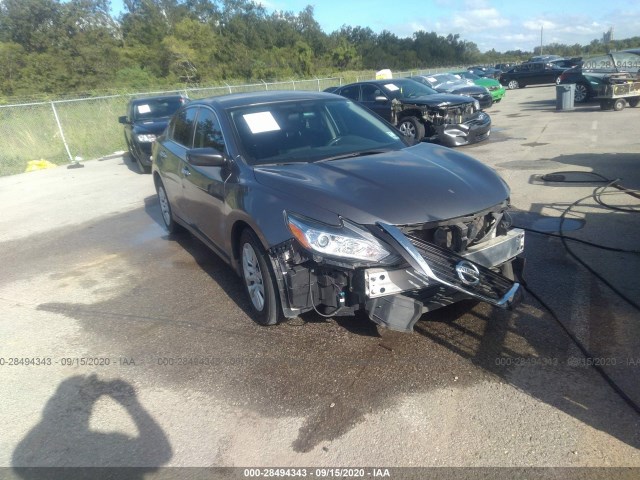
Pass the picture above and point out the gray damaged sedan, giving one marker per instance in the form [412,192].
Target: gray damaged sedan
[318,204]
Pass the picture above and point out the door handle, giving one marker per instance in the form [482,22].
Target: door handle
[185,171]
[162,154]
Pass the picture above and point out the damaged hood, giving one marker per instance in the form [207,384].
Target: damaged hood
[440,100]
[423,183]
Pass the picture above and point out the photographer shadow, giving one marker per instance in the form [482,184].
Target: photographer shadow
[63,446]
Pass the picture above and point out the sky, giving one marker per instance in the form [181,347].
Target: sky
[502,25]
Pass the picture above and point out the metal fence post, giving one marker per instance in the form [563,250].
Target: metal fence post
[66,146]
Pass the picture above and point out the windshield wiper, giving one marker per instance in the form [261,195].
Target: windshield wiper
[363,153]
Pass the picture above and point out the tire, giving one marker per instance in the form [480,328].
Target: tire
[143,169]
[132,157]
[165,209]
[513,85]
[259,280]
[633,102]
[581,94]
[411,127]
[619,104]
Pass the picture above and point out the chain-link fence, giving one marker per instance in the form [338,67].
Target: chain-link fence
[65,131]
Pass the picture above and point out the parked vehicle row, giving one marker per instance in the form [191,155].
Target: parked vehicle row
[496,90]
[449,83]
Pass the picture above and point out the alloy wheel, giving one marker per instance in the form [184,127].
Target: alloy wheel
[253,276]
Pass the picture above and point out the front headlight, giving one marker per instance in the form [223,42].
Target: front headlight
[476,105]
[347,241]
[146,138]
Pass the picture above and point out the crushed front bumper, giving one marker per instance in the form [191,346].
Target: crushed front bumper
[474,130]
[396,298]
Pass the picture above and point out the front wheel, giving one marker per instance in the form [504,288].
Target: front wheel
[513,85]
[259,280]
[411,127]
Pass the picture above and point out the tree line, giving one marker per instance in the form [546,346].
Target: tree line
[76,46]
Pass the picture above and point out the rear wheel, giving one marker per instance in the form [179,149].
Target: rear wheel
[582,93]
[411,127]
[513,84]
[259,280]
[165,208]
[633,102]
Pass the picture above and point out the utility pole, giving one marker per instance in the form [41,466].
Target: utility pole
[541,29]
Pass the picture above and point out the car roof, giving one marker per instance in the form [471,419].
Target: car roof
[135,101]
[257,98]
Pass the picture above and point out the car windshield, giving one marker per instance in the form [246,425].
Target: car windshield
[469,75]
[310,131]
[406,89]
[443,79]
[146,109]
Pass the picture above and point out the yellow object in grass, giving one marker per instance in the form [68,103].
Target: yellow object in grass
[34,165]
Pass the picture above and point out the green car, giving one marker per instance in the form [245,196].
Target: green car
[497,91]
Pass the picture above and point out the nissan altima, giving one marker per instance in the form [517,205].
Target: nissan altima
[318,204]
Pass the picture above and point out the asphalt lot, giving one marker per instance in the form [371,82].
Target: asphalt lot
[148,357]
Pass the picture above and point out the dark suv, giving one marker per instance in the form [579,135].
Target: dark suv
[531,73]
[145,120]
[420,111]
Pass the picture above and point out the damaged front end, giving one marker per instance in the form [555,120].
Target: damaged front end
[393,272]
[450,124]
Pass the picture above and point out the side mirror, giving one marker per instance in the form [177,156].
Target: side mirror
[381,99]
[123,119]
[206,157]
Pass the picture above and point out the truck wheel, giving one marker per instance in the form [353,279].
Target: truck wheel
[411,127]
[619,104]
[633,102]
